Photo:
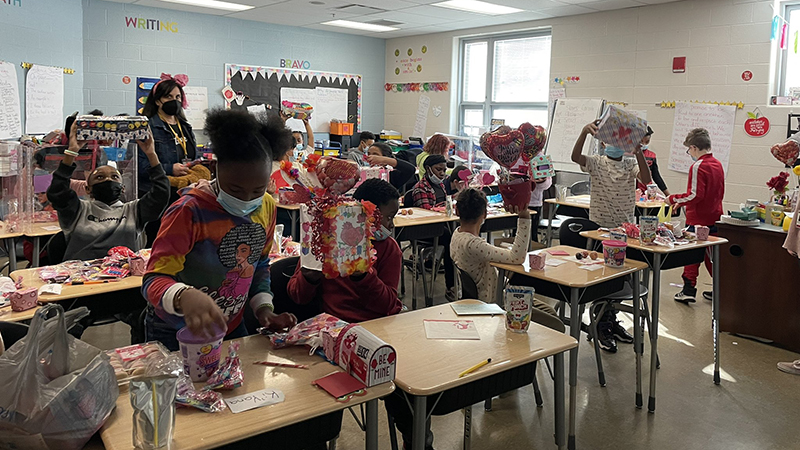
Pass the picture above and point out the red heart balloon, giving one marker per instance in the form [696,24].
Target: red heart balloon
[504,149]
[786,153]
[535,137]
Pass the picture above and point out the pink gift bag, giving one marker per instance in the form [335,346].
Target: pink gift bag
[24,299]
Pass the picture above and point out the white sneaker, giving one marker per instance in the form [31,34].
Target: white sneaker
[790,367]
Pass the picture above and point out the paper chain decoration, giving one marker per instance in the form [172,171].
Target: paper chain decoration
[417,87]
[671,104]
[561,81]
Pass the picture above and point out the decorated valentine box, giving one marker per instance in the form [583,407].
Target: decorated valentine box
[111,127]
[365,356]
[542,167]
[307,258]
[621,128]
[24,299]
[298,111]
[366,173]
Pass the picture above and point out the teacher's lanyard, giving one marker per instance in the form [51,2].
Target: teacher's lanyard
[179,140]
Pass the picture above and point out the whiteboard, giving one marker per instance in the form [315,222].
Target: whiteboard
[569,118]
[10,119]
[328,103]
[44,99]
[717,119]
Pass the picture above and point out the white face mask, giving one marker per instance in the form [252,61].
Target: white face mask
[237,207]
[434,179]
[382,234]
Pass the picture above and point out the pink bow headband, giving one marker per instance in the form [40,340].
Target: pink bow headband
[179,79]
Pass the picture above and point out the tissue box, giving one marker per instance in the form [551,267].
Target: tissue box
[366,357]
[111,127]
[621,128]
[542,167]
[537,260]
[24,299]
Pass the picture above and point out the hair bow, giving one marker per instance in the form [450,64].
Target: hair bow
[181,80]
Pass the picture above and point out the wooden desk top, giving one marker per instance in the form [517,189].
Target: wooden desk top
[43,229]
[650,204]
[634,243]
[293,207]
[195,429]
[569,274]
[30,278]
[428,366]
[582,201]
[422,217]
[7,315]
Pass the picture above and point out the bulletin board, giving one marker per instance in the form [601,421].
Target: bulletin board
[266,85]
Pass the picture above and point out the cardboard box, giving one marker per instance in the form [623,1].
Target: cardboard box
[366,357]
[342,129]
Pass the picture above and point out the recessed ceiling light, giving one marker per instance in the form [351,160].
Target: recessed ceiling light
[359,26]
[477,6]
[214,4]
[317,3]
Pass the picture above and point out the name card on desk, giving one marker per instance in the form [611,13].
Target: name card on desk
[253,400]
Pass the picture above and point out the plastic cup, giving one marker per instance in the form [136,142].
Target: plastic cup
[701,232]
[614,253]
[200,354]
[519,305]
[648,226]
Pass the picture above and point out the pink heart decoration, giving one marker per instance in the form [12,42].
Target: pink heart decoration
[464,174]
[535,138]
[337,175]
[504,149]
[786,153]
[487,179]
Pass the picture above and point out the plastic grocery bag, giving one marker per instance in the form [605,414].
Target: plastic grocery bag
[57,390]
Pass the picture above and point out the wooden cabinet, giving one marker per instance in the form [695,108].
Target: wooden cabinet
[759,285]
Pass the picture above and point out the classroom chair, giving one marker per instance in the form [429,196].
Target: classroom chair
[580,188]
[11,332]
[421,250]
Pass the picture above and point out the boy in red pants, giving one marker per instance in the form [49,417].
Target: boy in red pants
[703,202]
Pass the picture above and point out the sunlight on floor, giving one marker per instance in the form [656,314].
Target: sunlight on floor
[709,370]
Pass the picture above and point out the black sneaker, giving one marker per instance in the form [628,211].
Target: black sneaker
[685,297]
[605,337]
[708,295]
[620,333]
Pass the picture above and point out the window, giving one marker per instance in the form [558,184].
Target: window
[504,77]
[789,57]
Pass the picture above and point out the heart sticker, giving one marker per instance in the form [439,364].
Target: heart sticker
[535,137]
[786,153]
[505,149]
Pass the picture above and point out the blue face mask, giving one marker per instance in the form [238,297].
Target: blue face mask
[435,180]
[235,206]
[382,234]
[645,146]
[614,152]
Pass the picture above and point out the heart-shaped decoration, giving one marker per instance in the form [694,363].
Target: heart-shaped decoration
[337,175]
[464,175]
[437,111]
[504,149]
[535,138]
[487,179]
[786,153]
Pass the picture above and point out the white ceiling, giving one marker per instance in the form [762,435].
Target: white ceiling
[414,16]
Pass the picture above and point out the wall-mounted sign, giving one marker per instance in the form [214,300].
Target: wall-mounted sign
[756,125]
[747,75]
[150,24]
[294,64]
[12,2]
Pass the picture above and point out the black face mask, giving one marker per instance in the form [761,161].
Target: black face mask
[171,107]
[107,192]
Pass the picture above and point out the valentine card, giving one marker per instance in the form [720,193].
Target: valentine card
[339,384]
[621,128]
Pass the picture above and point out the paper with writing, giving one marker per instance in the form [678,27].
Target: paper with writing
[10,118]
[197,96]
[253,400]
[44,99]
[569,118]
[422,115]
[476,309]
[717,119]
[451,329]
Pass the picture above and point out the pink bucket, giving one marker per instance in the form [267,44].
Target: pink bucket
[614,253]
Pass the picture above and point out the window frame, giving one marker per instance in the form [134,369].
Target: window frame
[787,8]
[489,105]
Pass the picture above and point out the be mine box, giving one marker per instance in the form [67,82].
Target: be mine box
[366,357]
[111,127]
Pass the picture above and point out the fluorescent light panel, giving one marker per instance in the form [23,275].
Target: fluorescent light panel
[359,26]
[477,6]
[214,4]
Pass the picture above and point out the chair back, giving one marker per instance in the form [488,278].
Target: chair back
[580,188]
[408,199]
[569,233]
[468,287]
[56,247]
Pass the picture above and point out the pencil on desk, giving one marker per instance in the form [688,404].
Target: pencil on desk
[275,364]
[474,368]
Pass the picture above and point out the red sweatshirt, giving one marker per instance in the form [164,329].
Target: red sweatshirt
[703,199]
[372,297]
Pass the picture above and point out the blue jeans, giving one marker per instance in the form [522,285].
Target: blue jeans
[156,329]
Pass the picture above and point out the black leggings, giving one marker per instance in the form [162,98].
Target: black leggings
[449,267]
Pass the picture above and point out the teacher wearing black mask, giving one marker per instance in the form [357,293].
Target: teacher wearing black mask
[174,140]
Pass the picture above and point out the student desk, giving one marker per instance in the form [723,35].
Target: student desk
[30,278]
[294,215]
[9,238]
[307,408]
[660,258]
[568,283]
[8,315]
[430,367]
[37,231]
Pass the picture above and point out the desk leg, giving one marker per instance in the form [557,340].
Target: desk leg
[715,307]
[501,281]
[467,427]
[293,215]
[372,425]
[11,247]
[435,265]
[551,214]
[418,430]
[559,400]
[416,264]
[656,298]
[36,250]
[575,331]
[638,347]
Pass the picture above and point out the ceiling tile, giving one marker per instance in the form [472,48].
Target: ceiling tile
[443,14]
[182,7]
[609,5]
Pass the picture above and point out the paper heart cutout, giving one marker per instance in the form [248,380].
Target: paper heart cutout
[535,138]
[437,111]
[504,149]
[786,153]
[337,175]
[464,174]
[487,179]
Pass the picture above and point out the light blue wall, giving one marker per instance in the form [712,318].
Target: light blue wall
[202,46]
[45,32]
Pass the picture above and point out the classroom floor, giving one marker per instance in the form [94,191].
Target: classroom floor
[755,407]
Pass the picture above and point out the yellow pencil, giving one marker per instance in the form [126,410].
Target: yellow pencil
[474,368]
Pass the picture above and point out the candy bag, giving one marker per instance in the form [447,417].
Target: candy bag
[204,400]
[229,373]
[306,331]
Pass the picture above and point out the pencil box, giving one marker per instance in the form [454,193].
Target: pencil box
[366,357]
[24,299]
[111,127]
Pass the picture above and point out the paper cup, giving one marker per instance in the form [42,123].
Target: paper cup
[519,305]
[516,194]
[648,226]
[618,235]
[614,253]
[200,354]
[701,232]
